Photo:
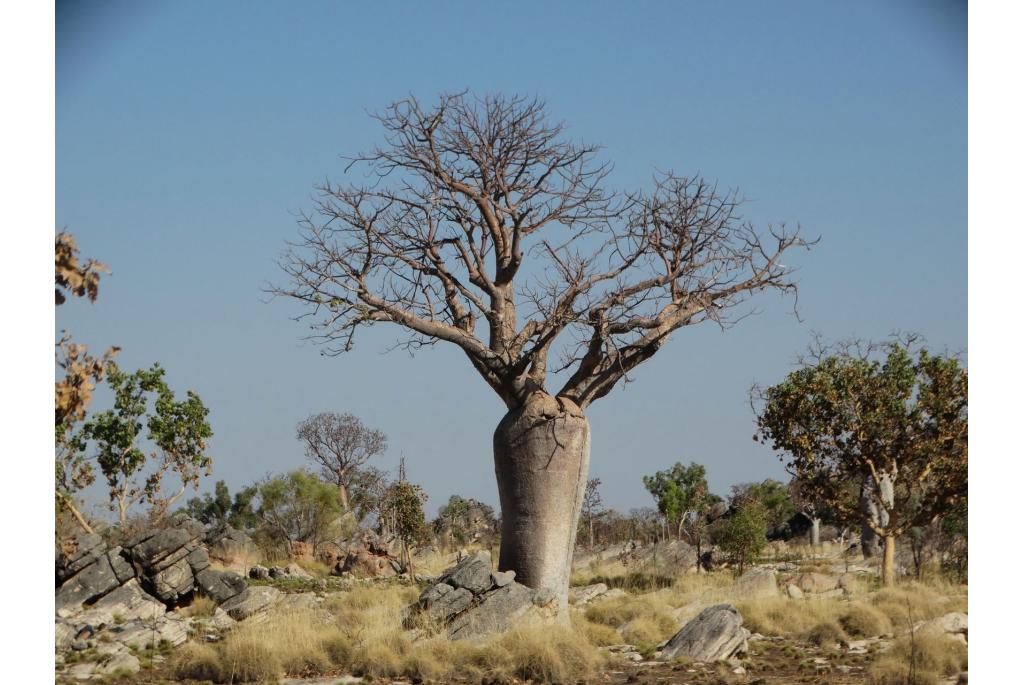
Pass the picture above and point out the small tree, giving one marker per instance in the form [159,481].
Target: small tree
[81,372]
[743,534]
[339,444]
[403,506]
[773,496]
[366,487]
[897,423]
[683,499]
[177,429]
[297,506]
[453,515]
[593,507]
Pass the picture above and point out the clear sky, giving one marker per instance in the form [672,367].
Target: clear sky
[190,133]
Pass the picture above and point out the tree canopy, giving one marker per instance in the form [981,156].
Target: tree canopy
[482,225]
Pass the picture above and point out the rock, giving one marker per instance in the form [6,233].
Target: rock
[173,582]
[251,601]
[502,578]
[93,581]
[158,549]
[82,671]
[123,662]
[127,603]
[816,582]
[259,573]
[220,586]
[296,571]
[472,573]
[169,628]
[198,560]
[302,550]
[847,581]
[77,552]
[442,601]
[587,593]
[794,592]
[64,635]
[500,610]
[231,547]
[954,623]
[756,583]
[363,563]
[716,633]
[615,593]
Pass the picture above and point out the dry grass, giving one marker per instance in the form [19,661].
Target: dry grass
[360,632]
[200,607]
[922,661]
[864,620]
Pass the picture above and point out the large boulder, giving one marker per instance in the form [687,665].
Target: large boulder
[220,586]
[231,548]
[586,593]
[75,553]
[251,601]
[95,580]
[716,633]
[756,583]
[816,583]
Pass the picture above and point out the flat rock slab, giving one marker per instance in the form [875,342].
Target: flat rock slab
[253,600]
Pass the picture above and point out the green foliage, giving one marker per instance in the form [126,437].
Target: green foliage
[220,508]
[850,416]
[743,534]
[772,495]
[298,506]
[178,429]
[403,508]
[682,495]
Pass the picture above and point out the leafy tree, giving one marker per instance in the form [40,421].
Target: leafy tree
[896,423]
[298,506]
[81,371]
[682,496]
[177,429]
[403,508]
[743,534]
[773,496]
[593,507]
[366,488]
[485,227]
[453,517]
[339,444]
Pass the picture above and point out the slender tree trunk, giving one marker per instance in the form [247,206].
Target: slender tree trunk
[815,531]
[889,561]
[541,456]
[122,512]
[591,526]
[343,496]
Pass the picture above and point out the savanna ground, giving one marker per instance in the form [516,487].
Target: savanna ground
[354,631]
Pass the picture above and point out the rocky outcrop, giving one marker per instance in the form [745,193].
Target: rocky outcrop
[231,548]
[716,633]
[470,600]
[816,583]
[579,596]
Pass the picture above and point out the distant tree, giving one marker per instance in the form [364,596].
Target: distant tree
[81,371]
[682,496]
[644,524]
[339,444]
[773,496]
[897,423]
[211,509]
[743,535]
[297,506]
[366,487]
[403,507]
[177,429]
[593,507]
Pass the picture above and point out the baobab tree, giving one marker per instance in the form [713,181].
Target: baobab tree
[482,225]
[339,444]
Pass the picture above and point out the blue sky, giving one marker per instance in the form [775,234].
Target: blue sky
[190,133]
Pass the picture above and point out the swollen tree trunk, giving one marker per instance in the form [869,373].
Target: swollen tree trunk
[343,496]
[541,456]
[888,561]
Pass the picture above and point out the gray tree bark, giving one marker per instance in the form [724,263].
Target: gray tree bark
[541,457]
[815,531]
